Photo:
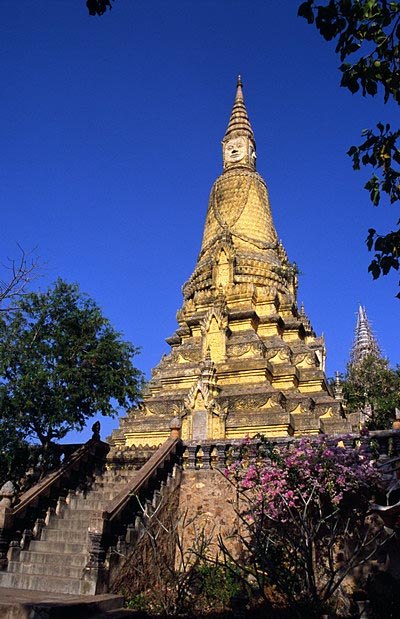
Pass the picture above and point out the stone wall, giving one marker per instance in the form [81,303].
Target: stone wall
[190,517]
[208,501]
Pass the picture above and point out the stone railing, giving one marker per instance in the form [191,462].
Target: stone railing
[114,531]
[23,517]
[382,444]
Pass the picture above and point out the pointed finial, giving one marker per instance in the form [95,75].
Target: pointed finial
[337,387]
[239,123]
[239,90]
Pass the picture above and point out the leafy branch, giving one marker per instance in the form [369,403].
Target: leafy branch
[368,31]
[98,7]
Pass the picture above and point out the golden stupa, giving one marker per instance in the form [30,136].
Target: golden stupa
[244,359]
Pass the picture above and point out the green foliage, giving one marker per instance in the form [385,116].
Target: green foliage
[137,602]
[98,7]
[358,25]
[380,151]
[367,32]
[387,252]
[216,585]
[14,452]
[210,588]
[61,362]
[372,381]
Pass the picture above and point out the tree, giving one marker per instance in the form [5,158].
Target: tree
[16,276]
[14,452]
[303,511]
[367,32]
[61,362]
[371,382]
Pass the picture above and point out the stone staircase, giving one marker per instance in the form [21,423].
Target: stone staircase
[72,533]
[56,562]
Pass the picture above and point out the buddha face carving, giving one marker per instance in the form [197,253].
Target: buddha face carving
[235,150]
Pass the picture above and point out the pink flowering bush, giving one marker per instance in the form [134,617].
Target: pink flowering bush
[303,509]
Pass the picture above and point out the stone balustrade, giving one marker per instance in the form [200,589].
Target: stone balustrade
[204,455]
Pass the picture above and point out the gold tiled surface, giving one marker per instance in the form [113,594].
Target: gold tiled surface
[239,204]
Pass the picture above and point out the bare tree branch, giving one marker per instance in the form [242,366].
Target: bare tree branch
[16,275]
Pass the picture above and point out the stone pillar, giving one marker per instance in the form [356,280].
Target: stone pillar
[176,427]
[206,457]
[7,494]
[221,455]
[95,574]
[192,456]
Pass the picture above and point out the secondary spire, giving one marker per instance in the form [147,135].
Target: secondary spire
[365,343]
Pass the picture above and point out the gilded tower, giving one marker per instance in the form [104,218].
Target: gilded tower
[244,359]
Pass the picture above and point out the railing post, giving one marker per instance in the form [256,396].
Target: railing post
[40,523]
[95,572]
[213,457]
[396,438]
[27,535]
[176,427]
[192,456]
[221,455]
[206,457]
[7,494]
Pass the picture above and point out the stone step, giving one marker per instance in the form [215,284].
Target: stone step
[104,485]
[67,523]
[38,583]
[114,481]
[61,567]
[85,504]
[64,535]
[117,477]
[120,613]
[55,547]
[20,603]
[75,513]
[102,495]
[71,524]
[108,493]
[50,558]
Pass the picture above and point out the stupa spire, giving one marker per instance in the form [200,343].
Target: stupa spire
[239,145]
[240,244]
[239,123]
[365,342]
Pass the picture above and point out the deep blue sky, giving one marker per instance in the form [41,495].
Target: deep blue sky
[110,142]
